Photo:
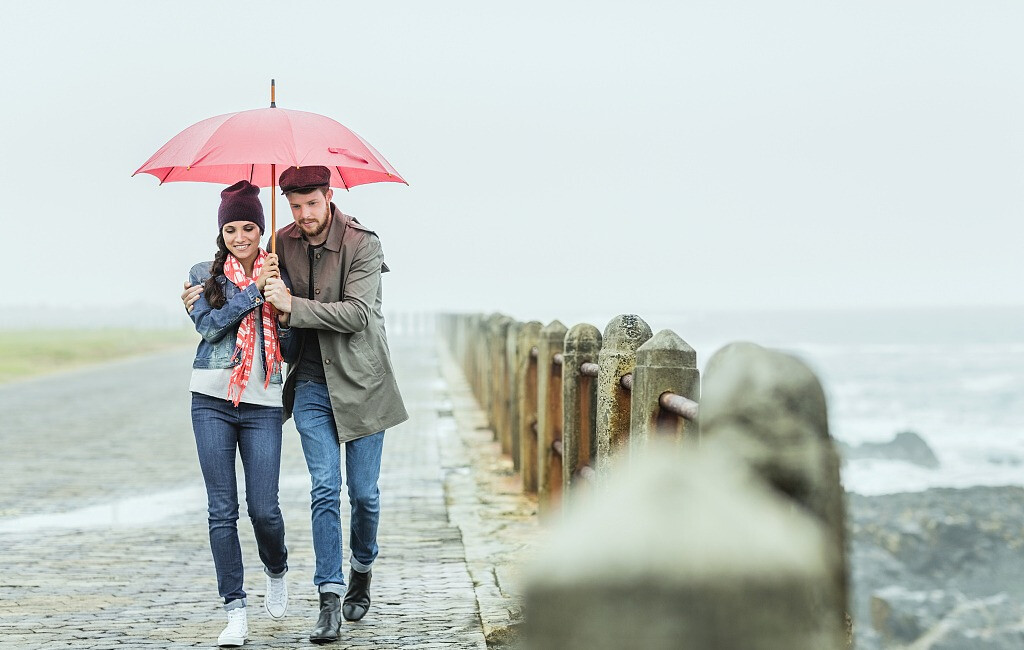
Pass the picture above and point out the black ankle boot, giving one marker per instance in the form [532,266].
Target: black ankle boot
[357,598]
[328,626]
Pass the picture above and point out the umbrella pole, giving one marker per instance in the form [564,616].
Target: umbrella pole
[273,182]
[273,209]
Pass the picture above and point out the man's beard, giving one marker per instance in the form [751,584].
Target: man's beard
[319,229]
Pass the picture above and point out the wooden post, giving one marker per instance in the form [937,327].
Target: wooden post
[623,335]
[549,415]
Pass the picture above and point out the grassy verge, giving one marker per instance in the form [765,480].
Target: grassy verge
[27,353]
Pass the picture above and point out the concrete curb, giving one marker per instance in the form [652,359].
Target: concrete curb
[499,523]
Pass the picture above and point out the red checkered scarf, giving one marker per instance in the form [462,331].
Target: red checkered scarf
[245,347]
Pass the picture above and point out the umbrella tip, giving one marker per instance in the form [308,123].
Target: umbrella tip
[273,104]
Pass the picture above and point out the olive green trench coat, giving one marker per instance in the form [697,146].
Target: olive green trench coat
[345,311]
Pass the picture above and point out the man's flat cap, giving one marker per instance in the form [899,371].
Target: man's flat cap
[297,179]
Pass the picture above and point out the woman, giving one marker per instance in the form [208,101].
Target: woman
[236,403]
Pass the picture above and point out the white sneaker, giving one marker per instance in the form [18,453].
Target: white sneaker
[276,599]
[237,631]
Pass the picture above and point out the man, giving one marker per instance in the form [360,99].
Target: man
[340,385]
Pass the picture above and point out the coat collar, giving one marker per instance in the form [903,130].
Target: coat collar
[336,232]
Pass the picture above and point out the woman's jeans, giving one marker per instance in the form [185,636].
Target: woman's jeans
[314,419]
[255,431]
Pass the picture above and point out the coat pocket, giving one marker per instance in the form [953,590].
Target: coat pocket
[364,351]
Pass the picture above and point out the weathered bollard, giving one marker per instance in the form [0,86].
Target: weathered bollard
[579,405]
[665,363]
[469,325]
[482,385]
[681,552]
[549,415]
[499,404]
[622,336]
[768,409]
[449,325]
[444,329]
[526,390]
[511,367]
[465,340]
[489,327]
[462,340]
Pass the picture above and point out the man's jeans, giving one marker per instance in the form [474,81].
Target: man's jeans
[255,431]
[314,419]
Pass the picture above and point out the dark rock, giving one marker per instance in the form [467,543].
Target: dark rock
[1008,638]
[943,568]
[901,616]
[906,446]
[983,624]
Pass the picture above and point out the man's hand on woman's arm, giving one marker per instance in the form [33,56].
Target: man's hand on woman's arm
[190,295]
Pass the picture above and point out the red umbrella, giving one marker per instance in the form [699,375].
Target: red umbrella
[251,145]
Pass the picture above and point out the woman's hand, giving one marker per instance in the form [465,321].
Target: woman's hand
[277,294]
[270,270]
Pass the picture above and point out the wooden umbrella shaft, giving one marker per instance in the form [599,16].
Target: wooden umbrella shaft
[273,181]
[273,209]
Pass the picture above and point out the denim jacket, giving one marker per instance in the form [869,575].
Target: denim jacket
[219,327]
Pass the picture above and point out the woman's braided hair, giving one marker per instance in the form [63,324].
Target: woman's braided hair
[212,289]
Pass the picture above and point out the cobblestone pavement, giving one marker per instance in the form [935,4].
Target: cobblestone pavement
[103,522]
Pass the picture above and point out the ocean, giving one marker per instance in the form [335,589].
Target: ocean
[955,377]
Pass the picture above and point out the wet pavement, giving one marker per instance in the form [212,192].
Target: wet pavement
[103,518]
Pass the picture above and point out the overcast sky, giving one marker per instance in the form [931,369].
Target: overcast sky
[585,156]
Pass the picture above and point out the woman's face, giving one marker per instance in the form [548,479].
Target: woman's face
[242,239]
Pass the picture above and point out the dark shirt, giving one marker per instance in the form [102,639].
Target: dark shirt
[311,365]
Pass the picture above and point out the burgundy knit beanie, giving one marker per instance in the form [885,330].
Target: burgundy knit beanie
[241,202]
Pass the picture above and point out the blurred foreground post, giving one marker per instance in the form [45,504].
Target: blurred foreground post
[768,409]
[682,552]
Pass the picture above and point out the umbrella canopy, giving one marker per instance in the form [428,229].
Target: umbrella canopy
[257,145]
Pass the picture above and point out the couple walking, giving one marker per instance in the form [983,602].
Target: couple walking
[316,305]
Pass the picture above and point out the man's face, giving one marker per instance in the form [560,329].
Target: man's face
[311,211]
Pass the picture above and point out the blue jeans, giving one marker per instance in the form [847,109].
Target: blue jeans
[314,420]
[255,431]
